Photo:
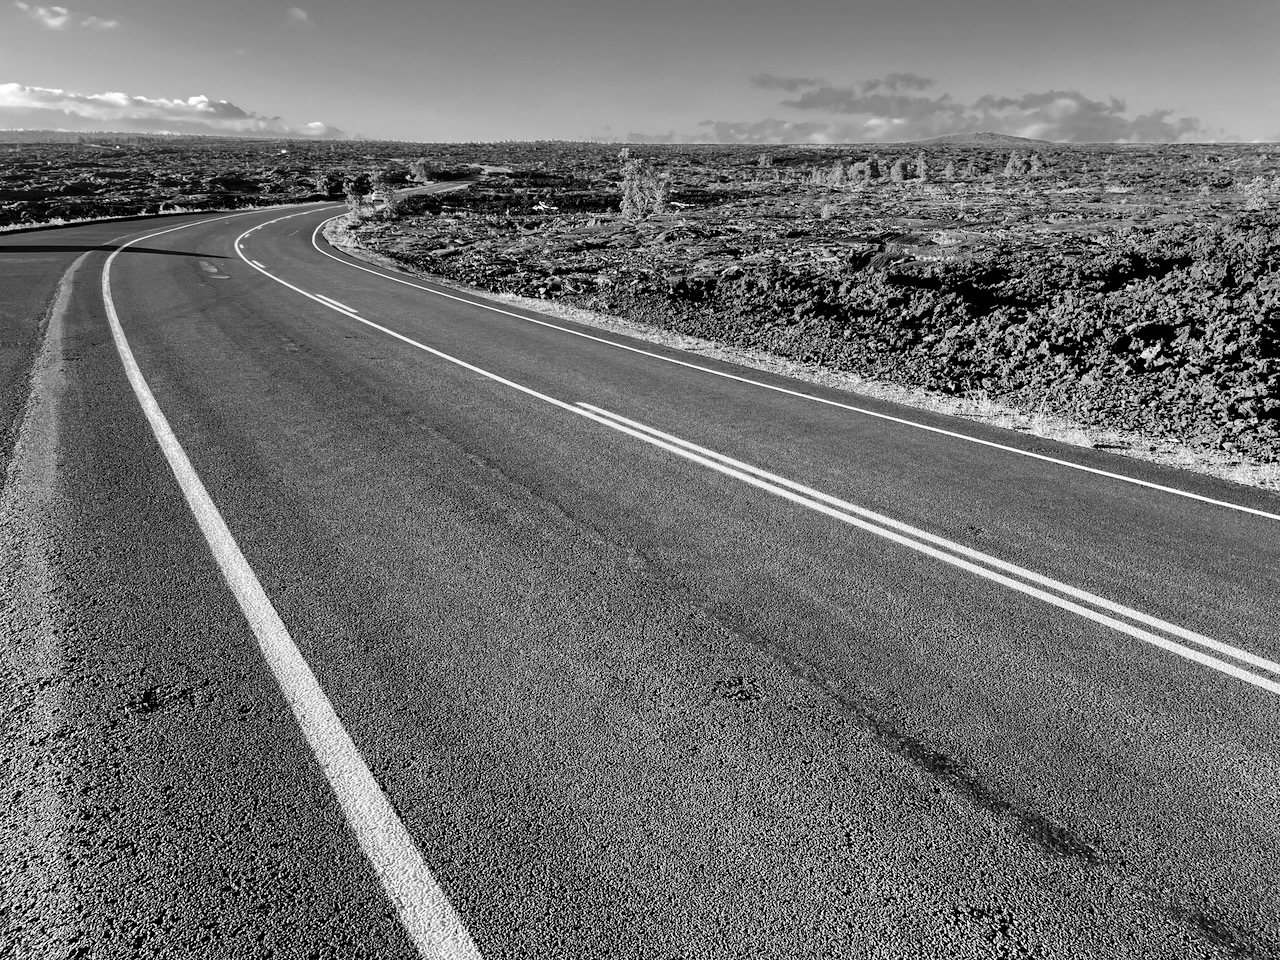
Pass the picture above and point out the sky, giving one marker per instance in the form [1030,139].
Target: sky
[752,71]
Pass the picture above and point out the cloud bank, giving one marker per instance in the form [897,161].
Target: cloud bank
[44,108]
[907,106]
[59,18]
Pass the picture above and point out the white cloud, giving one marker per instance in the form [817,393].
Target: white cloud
[55,18]
[59,18]
[49,108]
[907,106]
[300,16]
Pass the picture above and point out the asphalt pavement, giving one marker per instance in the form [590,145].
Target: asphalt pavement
[639,653]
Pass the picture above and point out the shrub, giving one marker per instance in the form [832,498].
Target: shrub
[421,171]
[1017,165]
[330,183]
[644,189]
[357,189]
[1259,193]
[382,184]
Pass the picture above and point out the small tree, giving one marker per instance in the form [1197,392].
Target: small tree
[897,171]
[922,167]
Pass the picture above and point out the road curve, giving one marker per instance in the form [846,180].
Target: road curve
[633,653]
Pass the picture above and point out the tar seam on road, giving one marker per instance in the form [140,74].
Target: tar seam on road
[793,393]
[428,918]
[951,553]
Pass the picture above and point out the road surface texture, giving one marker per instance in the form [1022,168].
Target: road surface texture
[344,618]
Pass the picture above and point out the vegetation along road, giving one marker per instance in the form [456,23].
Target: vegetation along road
[348,615]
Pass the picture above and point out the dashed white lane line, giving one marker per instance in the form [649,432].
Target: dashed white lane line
[257,264]
[793,393]
[939,548]
[425,913]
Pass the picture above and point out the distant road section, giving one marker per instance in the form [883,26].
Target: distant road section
[351,616]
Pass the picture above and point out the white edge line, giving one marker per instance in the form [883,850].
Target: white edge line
[1261,663]
[794,393]
[426,914]
[1120,626]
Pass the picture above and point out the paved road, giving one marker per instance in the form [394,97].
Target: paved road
[706,668]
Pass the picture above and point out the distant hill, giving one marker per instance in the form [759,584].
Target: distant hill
[985,138]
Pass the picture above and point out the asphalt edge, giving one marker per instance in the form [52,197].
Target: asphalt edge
[37,908]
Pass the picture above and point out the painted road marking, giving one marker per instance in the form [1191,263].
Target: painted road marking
[428,918]
[213,271]
[1226,649]
[757,478]
[257,264]
[936,547]
[789,392]
[334,303]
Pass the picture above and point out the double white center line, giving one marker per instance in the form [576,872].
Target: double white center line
[1134,623]
[335,303]
[1206,651]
